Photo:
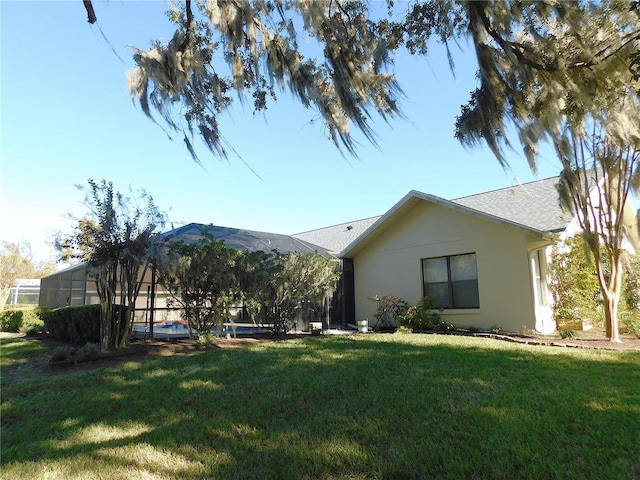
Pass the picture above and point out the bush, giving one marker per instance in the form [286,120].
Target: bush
[76,325]
[630,323]
[20,320]
[87,351]
[421,317]
[206,338]
[424,317]
[10,320]
[33,326]
[82,354]
[61,353]
[388,310]
[402,330]
[634,327]
[574,285]
[567,333]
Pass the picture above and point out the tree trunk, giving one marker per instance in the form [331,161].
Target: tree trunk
[611,294]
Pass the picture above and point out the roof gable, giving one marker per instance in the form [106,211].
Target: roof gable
[533,207]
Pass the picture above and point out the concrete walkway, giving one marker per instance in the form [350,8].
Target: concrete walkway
[4,335]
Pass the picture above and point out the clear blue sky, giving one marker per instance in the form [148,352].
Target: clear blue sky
[66,116]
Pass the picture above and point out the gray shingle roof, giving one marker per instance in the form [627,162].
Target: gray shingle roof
[534,205]
[336,237]
[244,239]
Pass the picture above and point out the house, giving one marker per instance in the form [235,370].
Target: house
[482,257]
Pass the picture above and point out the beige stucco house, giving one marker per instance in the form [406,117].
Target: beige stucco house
[482,257]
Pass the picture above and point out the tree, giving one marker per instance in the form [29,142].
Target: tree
[573,283]
[600,171]
[539,63]
[16,262]
[254,49]
[202,278]
[281,284]
[545,67]
[118,239]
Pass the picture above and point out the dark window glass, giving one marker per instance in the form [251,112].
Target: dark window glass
[452,280]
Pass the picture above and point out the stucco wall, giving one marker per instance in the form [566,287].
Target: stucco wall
[391,264]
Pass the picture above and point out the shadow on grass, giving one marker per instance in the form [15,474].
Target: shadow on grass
[337,407]
[17,351]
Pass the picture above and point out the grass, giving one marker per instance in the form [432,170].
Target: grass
[16,352]
[337,407]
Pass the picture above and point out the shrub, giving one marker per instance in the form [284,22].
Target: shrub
[634,327]
[388,310]
[87,351]
[402,330]
[420,317]
[631,288]
[424,317]
[630,323]
[497,329]
[77,325]
[20,320]
[10,320]
[61,353]
[574,285]
[33,326]
[206,338]
[567,333]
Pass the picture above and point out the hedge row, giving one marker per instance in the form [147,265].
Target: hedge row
[77,325]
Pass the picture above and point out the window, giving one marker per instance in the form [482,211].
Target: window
[538,290]
[452,280]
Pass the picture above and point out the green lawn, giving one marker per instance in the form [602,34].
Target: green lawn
[357,407]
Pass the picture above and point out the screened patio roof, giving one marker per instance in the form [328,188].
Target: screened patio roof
[241,239]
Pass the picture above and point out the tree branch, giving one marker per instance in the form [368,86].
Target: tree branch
[631,37]
[187,33]
[91,15]
[507,46]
